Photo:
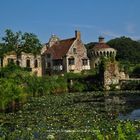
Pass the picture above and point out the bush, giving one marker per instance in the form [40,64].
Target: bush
[10,92]
[131,85]
[136,72]
[77,87]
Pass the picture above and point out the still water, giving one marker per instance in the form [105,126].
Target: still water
[130,107]
[69,112]
[134,115]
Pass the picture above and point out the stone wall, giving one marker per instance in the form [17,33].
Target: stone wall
[35,69]
[111,75]
[22,61]
[8,57]
[96,54]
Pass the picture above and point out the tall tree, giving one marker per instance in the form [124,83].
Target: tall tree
[18,42]
[31,43]
[12,41]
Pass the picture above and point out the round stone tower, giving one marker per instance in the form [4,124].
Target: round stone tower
[101,49]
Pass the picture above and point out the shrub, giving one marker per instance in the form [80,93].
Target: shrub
[77,87]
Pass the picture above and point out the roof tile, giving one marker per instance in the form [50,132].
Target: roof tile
[60,49]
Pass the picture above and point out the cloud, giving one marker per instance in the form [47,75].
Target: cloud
[135,37]
[86,26]
[110,33]
[115,35]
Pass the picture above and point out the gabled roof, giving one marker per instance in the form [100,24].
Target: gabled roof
[60,48]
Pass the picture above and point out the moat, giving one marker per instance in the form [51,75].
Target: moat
[81,113]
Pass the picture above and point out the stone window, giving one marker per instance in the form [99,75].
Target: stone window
[36,63]
[28,63]
[108,53]
[17,62]
[48,64]
[96,64]
[85,62]
[71,61]
[57,62]
[10,60]
[48,55]
[74,50]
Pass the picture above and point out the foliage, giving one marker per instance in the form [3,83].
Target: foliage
[9,92]
[9,70]
[2,50]
[68,116]
[17,81]
[89,81]
[77,87]
[131,85]
[31,43]
[90,45]
[136,71]
[12,41]
[127,49]
[18,42]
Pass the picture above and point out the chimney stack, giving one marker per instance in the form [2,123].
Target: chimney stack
[78,35]
[101,39]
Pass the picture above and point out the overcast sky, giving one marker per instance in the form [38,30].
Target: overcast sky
[109,18]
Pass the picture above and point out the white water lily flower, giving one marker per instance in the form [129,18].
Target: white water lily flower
[50,137]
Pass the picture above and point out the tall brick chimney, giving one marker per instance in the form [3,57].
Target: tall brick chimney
[101,39]
[78,35]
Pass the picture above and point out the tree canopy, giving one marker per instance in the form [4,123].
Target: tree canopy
[127,49]
[19,42]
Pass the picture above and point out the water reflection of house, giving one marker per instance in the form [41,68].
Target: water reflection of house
[25,60]
[69,55]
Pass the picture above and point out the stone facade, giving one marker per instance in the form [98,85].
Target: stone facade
[69,55]
[10,57]
[78,52]
[112,76]
[25,60]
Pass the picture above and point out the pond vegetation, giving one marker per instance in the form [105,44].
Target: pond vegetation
[69,116]
[41,108]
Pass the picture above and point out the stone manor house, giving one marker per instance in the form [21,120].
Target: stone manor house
[60,56]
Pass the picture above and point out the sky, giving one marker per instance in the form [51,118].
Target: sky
[94,18]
